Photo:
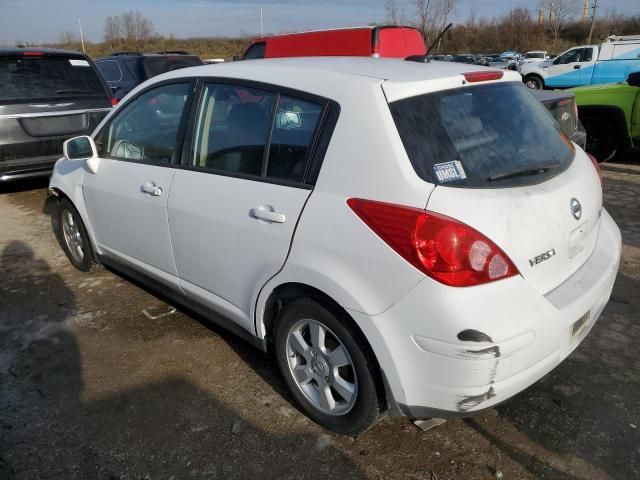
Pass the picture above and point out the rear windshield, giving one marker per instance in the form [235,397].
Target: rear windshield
[37,78]
[481,136]
[156,65]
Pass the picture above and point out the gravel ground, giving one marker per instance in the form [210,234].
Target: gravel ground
[99,380]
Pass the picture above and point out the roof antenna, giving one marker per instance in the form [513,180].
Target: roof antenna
[438,38]
[425,58]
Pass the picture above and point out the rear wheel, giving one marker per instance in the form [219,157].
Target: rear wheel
[330,376]
[602,138]
[534,82]
[73,237]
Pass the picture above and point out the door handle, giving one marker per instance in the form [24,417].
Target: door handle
[151,189]
[262,213]
[576,67]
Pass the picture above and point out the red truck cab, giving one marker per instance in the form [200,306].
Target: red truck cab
[379,41]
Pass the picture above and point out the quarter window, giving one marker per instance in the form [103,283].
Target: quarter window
[146,129]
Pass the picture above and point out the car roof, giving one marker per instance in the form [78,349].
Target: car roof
[46,51]
[341,77]
[381,69]
[331,30]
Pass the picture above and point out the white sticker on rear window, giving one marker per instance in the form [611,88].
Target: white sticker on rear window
[449,171]
[76,62]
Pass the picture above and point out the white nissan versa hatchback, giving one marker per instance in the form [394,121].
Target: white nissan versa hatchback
[418,238]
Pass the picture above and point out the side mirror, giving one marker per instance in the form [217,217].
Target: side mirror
[82,148]
[634,79]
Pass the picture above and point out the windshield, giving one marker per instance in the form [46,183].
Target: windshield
[534,55]
[490,135]
[37,78]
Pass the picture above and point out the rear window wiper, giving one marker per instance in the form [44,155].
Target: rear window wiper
[524,171]
[70,90]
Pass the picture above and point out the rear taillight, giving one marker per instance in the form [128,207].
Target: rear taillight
[33,54]
[445,249]
[114,101]
[596,164]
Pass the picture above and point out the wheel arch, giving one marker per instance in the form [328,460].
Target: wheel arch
[613,113]
[534,75]
[66,182]
[286,292]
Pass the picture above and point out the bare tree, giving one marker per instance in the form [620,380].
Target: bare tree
[112,30]
[131,25]
[394,12]
[68,38]
[135,26]
[557,15]
[518,27]
[433,16]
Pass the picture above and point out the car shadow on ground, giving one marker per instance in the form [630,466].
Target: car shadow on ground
[24,185]
[585,408]
[50,429]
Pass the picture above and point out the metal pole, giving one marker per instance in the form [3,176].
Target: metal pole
[593,21]
[81,35]
[261,24]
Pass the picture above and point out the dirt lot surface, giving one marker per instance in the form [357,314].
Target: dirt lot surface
[92,387]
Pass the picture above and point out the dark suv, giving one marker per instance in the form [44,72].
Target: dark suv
[47,97]
[123,71]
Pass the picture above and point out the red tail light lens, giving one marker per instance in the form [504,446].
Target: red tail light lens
[114,101]
[443,248]
[596,164]
[473,77]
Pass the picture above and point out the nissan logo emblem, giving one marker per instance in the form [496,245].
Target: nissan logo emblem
[576,208]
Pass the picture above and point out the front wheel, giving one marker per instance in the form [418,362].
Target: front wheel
[602,137]
[325,369]
[73,237]
[533,82]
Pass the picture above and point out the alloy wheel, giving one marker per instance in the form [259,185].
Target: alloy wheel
[321,367]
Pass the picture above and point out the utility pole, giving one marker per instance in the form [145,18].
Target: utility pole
[81,35]
[261,23]
[593,21]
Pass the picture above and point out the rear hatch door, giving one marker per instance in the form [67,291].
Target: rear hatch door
[501,165]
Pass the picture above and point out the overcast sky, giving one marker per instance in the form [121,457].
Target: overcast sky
[43,20]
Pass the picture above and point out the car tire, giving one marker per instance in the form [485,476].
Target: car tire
[73,238]
[603,141]
[533,82]
[336,376]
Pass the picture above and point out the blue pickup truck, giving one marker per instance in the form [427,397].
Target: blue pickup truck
[610,62]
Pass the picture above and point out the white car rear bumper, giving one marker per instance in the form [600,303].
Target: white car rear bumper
[466,349]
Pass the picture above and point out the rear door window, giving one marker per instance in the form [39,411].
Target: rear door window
[46,77]
[482,136]
[295,125]
[250,132]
